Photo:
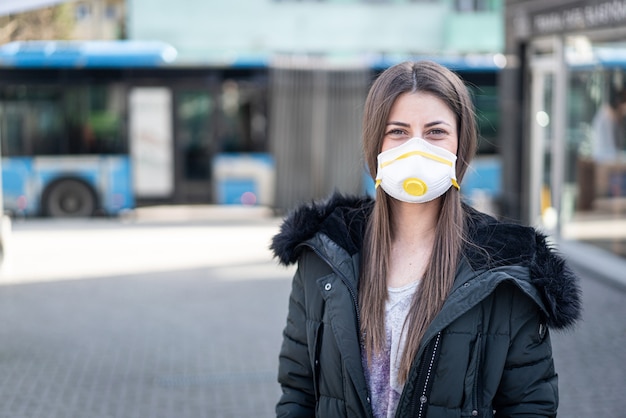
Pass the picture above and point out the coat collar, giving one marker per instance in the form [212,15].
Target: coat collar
[491,244]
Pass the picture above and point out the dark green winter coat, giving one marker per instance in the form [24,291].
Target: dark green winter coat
[487,353]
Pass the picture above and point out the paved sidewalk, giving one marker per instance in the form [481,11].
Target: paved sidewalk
[102,319]
[590,358]
[191,213]
[595,262]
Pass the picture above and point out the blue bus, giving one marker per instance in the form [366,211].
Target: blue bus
[64,136]
[100,127]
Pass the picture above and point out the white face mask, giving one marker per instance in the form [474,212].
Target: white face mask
[416,171]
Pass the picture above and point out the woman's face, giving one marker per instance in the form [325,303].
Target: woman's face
[422,115]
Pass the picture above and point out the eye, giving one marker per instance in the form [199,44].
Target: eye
[437,132]
[396,132]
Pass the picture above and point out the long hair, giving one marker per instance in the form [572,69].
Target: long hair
[426,77]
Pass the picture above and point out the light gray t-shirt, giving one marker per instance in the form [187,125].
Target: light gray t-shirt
[382,372]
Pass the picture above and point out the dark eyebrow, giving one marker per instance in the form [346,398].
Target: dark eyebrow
[428,125]
[437,122]
[405,125]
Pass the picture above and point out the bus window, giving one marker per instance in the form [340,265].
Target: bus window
[94,120]
[33,120]
[243,117]
[51,120]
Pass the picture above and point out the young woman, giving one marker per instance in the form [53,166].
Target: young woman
[414,304]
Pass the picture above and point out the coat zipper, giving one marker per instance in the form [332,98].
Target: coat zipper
[423,398]
[429,371]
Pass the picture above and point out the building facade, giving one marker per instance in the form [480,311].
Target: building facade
[98,19]
[63,20]
[564,88]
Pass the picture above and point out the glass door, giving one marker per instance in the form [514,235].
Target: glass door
[547,133]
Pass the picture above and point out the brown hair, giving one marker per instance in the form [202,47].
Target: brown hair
[427,77]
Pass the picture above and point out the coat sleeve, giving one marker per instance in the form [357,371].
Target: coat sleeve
[528,387]
[294,370]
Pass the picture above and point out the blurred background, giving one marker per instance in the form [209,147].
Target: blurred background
[150,147]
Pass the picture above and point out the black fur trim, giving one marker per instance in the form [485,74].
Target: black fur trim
[557,283]
[341,218]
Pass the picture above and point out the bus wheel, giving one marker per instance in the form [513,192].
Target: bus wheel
[69,198]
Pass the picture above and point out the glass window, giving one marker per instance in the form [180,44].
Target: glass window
[82,11]
[95,119]
[33,120]
[243,117]
[53,120]
[110,12]
[194,111]
[474,5]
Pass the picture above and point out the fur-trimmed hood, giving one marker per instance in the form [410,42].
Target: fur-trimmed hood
[343,219]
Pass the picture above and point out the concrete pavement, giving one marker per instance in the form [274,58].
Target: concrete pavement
[590,358]
[595,262]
